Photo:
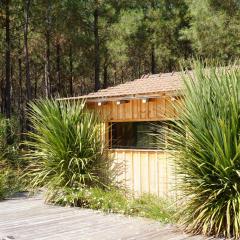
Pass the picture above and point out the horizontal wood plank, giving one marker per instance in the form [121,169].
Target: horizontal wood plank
[30,218]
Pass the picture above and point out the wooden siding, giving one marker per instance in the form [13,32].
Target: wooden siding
[142,171]
[146,171]
[135,110]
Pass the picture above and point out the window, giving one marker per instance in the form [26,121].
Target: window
[137,135]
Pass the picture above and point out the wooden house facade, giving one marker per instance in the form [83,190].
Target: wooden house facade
[128,111]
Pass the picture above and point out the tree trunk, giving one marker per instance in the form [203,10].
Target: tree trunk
[153,59]
[115,75]
[7,90]
[47,66]
[105,76]
[58,67]
[2,88]
[20,100]
[47,53]
[26,53]
[122,75]
[35,84]
[96,48]
[71,71]
[20,82]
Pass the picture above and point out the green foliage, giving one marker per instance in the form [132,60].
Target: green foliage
[207,143]
[9,142]
[9,183]
[146,28]
[10,161]
[151,206]
[214,29]
[115,201]
[66,147]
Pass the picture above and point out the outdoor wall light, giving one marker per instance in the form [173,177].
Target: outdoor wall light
[101,103]
[121,101]
[145,100]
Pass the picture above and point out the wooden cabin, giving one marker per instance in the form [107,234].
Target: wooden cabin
[128,110]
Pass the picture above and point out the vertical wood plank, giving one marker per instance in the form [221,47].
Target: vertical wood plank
[107,111]
[121,112]
[121,164]
[129,171]
[106,129]
[144,172]
[171,176]
[152,109]
[162,174]
[128,111]
[170,111]
[114,111]
[117,111]
[133,179]
[137,172]
[153,187]
[161,108]
[143,110]
[135,109]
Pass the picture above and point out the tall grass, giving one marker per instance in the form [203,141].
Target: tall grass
[10,183]
[115,201]
[66,147]
[207,142]
[10,161]
[9,142]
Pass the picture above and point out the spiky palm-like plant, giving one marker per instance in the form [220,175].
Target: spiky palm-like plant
[66,147]
[207,142]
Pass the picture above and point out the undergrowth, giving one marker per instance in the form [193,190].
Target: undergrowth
[115,201]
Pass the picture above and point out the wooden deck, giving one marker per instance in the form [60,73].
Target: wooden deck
[31,219]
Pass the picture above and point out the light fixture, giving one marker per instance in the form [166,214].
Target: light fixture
[145,100]
[122,101]
[100,103]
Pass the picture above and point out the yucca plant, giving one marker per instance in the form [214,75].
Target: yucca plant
[206,140]
[65,145]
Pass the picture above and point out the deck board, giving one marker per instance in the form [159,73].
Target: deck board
[30,218]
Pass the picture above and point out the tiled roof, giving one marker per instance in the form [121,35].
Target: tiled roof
[148,84]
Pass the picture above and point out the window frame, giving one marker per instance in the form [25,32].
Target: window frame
[135,148]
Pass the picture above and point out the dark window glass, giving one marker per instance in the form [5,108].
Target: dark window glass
[138,135]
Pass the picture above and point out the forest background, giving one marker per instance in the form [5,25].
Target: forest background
[59,48]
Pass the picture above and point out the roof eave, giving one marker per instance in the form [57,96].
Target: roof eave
[160,94]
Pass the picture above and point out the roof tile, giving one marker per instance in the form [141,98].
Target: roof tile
[148,84]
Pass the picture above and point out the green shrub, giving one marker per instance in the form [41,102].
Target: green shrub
[207,143]
[9,183]
[10,161]
[153,207]
[115,201]
[68,196]
[9,143]
[66,147]
[3,187]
